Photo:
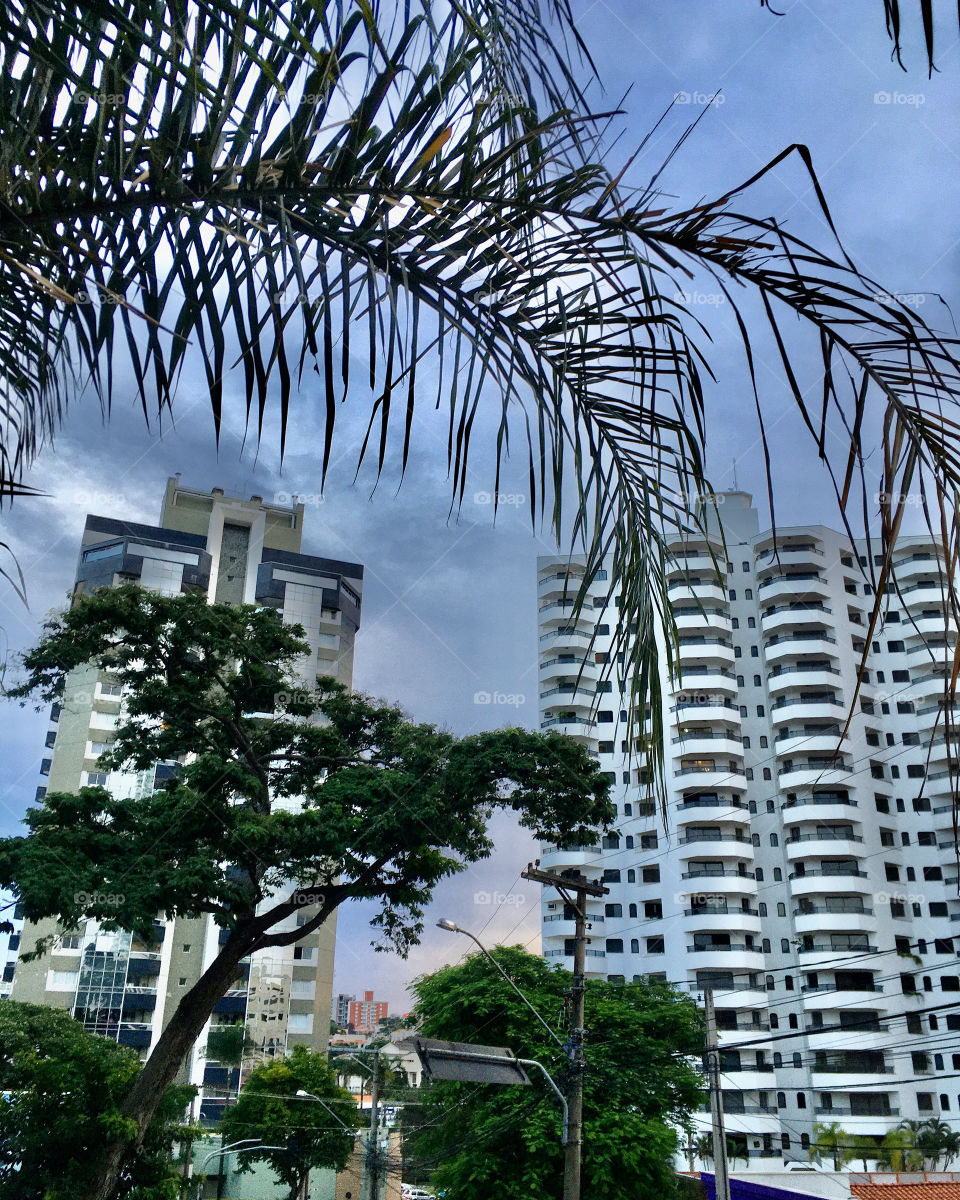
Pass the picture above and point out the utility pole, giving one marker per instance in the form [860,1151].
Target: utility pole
[574,888]
[373,1148]
[721,1171]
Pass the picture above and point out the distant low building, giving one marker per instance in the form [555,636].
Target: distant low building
[366,1015]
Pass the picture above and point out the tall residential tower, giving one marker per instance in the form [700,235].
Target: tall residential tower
[234,551]
[806,871]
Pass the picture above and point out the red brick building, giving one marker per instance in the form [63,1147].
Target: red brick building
[365,1015]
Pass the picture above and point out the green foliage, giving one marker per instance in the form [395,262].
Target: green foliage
[269,1110]
[390,807]
[227,1044]
[832,1141]
[505,1141]
[62,1093]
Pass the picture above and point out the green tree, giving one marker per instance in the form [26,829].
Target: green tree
[899,1151]
[831,1140]
[388,808]
[486,1139]
[62,1094]
[269,1110]
[935,1139]
[332,182]
[863,1147]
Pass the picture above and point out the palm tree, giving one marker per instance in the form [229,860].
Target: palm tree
[934,1138]
[899,1148]
[863,1146]
[359,186]
[831,1139]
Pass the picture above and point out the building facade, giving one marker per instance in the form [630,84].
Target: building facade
[366,1015]
[340,1009]
[805,870]
[234,551]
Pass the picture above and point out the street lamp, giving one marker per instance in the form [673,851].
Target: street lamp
[240,1147]
[453,927]
[302,1095]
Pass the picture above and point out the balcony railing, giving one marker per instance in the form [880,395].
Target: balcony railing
[707,735]
[691,839]
[832,836]
[830,873]
[794,577]
[718,875]
[735,946]
[829,948]
[843,987]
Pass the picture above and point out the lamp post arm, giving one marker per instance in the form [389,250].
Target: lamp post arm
[532,1062]
[487,953]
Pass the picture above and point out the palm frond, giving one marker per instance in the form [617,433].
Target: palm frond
[359,188]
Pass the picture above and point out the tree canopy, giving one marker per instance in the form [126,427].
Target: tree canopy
[288,799]
[641,1082]
[62,1096]
[269,1110]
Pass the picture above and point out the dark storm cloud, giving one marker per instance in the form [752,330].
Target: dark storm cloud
[449,606]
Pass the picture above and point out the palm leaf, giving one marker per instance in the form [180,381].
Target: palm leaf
[259,183]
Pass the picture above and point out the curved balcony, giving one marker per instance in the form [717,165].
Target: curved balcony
[730,886]
[809,740]
[559,584]
[823,772]
[823,918]
[563,610]
[775,618]
[701,680]
[940,784]
[702,588]
[694,562]
[705,777]
[711,807]
[797,585]
[589,858]
[570,667]
[708,742]
[921,562]
[704,707]
[695,619]
[806,552]
[814,845]
[809,808]
[831,996]
[820,706]
[928,625]
[704,648]
[572,726]
[719,843]
[796,643]
[570,695]
[720,920]
[815,883]
[799,674]
[577,639]
[924,594]
[731,957]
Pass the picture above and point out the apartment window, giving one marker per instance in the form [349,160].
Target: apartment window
[777,1059]
[774,840]
[751,622]
[614,945]
[743,710]
[891,870]
[943,946]
[894,771]
[631,875]
[937,909]
[96,779]
[749,773]
[746,742]
[605,716]
[777,875]
[765,946]
[781,909]
[900,676]
[927,838]
[763,741]
[603,631]
[756,681]
[613,910]
[740,681]
[732,594]
[886,837]
[950,983]
[628,811]
[648,841]
[604,686]
[634,945]
[611,875]
[605,748]
[801,1103]
[876,770]
[895,647]
[650,874]
[761,711]
[748,594]
[911,739]
[915,770]
[762,909]
[897,909]
[784,945]
[905,840]
[628,841]
[746,568]
[655,945]
[735,622]
[903,706]
[882,803]
[737,652]
[652,909]
[754,652]
[925,1101]
[758,874]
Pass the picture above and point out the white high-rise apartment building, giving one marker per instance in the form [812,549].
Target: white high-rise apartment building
[234,551]
[815,895]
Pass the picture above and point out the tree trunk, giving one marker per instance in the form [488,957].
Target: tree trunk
[162,1066]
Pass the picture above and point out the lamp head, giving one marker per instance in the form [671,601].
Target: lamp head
[446,923]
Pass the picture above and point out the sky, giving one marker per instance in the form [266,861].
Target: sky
[449,596]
